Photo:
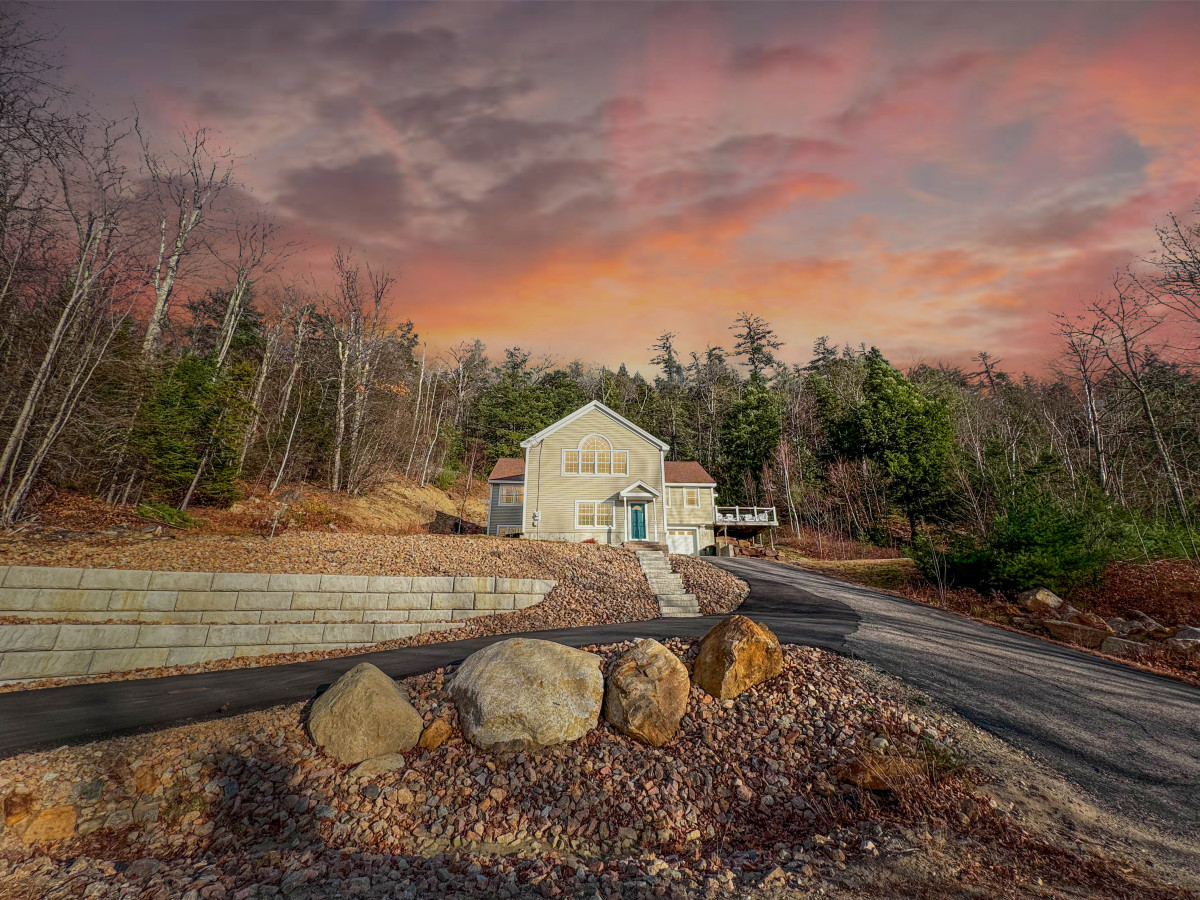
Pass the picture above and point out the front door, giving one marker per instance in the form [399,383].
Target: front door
[638,522]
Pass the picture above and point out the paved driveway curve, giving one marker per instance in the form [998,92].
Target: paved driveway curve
[1128,737]
[1131,738]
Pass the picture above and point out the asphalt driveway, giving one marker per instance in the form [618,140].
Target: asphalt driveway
[1128,737]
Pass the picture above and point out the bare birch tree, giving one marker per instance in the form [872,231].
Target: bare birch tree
[184,186]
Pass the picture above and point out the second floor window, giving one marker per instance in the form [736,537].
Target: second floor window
[595,456]
[511,494]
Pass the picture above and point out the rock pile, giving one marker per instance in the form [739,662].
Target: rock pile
[523,695]
[248,807]
[1134,637]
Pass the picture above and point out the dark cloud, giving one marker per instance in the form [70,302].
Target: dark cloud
[880,101]
[761,59]
[383,49]
[433,111]
[1057,226]
[368,192]
[771,150]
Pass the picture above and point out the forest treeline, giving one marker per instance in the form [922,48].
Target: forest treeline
[155,347]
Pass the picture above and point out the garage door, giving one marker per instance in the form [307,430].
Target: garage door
[681,541]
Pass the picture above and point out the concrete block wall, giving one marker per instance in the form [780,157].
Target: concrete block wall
[144,619]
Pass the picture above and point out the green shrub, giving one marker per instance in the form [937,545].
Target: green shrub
[193,413]
[1033,543]
[152,509]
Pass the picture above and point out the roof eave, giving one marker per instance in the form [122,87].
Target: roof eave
[582,411]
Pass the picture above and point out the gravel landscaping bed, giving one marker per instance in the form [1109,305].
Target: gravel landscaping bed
[311,552]
[717,592]
[781,789]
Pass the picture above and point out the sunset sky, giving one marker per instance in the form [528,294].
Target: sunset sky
[577,178]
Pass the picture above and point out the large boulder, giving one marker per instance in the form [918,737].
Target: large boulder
[1081,617]
[647,693]
[363,715]
[1039,600]
[1115,646]
[736,654]
[1075,634]
[524,694]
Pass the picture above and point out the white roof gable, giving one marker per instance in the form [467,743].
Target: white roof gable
[583,411]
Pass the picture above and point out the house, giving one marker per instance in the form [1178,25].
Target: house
[594,475]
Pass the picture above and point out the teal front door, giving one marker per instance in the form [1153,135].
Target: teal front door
[638,523]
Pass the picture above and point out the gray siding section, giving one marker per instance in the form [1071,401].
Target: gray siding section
[499,513]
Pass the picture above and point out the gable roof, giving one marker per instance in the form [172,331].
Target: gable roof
[507,468]
[688,472]
[637,489]
[583,411]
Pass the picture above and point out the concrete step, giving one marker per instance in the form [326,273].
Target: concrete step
[667,587]
[679,614]
[677,600]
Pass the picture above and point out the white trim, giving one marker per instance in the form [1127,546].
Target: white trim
[697,484]
[581,474]
[524,495]
[584,410]
[626,492]
[598,504]
[629,504]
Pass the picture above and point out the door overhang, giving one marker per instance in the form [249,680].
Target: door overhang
[639,490]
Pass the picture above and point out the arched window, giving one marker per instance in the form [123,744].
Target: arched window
[595,456]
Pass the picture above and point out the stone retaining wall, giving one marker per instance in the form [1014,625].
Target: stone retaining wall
[145,619]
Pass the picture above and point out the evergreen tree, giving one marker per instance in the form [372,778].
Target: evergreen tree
[907,436]
[755,342]
[750,433]
[513,407]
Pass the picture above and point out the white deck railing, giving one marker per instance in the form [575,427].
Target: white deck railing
[745,515]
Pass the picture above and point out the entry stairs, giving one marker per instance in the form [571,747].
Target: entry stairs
[666,585]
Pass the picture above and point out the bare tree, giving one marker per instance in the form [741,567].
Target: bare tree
[356,326]
[184,186]
[1085,350]
[93,202]
[1126,321]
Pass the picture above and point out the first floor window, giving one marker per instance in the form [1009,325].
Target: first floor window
[592,514]
[506,530]
[511,494]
